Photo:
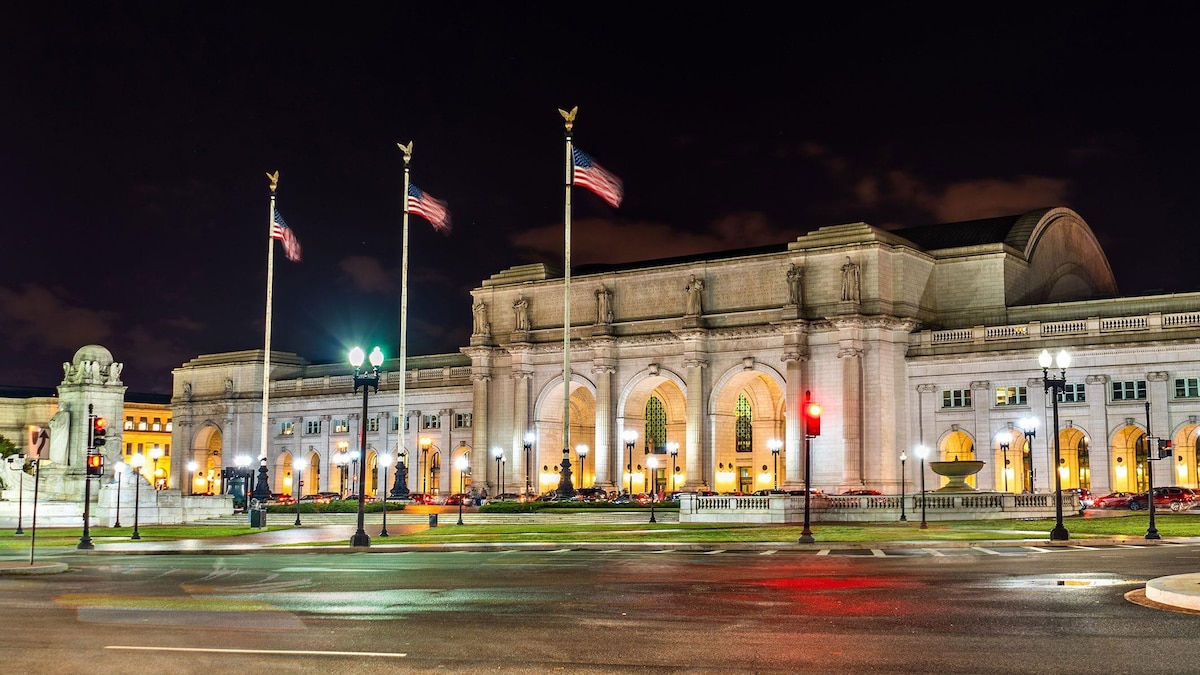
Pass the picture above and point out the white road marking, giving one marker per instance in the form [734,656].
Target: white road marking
[771,552]
[985,550]
[934,552]
[823,551]
[714,552]
[878,553]
[281,652]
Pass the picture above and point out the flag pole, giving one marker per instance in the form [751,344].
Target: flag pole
[266,380]
[565,487]
[403,303]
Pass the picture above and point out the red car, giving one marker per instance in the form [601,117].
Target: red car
[1113,500]
[862,491]
[1174,498]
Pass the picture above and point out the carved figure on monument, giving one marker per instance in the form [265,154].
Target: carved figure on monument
[114,373]
[187,391]
[94,372]
[228,387]
[481,324]
[795,289]
[604,312]
[521,310]
[60,429]
[851,282]
[694,305]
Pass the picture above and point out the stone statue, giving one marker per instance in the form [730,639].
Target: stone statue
[479,312]
[93,372]
[60,429]
[228,387]
[694,288]
[604,312]
[795,289]
[187,390]
[521,310]
[114,373]
[851,282]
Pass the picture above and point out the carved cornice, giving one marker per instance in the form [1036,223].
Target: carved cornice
[603,369]
[600,342]
[477,352]
[981,384]
[695,363]
[1157,376]
[793,354]
[927,388]
[481,377]
[849,352]
[521,374]
[690,334]
[1096,379]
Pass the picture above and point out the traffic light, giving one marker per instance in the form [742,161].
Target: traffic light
[99,431]
[95,465]
[1164,448]
[812,419]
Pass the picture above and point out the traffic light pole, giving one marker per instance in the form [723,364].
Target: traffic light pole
[85,541]
[812,427]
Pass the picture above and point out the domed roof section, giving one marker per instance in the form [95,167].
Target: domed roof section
[93,353]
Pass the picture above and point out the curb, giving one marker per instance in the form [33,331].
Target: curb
[13,568]
[1179,590]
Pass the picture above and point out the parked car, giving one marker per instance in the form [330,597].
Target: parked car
[505,497]
[590,494]
[1113,500]
[420,498]
[1174,498]
[459,499]
[861,492]
[282,498]
[367,500]
[319,497]
[1085,497]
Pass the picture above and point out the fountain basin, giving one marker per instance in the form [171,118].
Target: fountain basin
[957,472]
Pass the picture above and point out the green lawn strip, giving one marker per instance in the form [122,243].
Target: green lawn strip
[56,537]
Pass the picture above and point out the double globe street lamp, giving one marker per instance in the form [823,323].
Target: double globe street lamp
[462,463]
[1056,386]
[922,452]
[368,380]
[630,437]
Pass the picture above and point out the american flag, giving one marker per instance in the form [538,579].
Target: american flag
[280,231]
[596,178]
[434,210]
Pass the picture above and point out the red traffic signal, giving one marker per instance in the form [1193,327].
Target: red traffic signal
[95,465]
[99,431]
[812,419]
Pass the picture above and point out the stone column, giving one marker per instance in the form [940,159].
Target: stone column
[521,379]
[481,377]
[852,410]
[442,440]
[793,442]
[694,443]
[926,421]
[602,452]
[1041,455]
[1099,448]
[985,445]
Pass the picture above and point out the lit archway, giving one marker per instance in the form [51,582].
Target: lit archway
[958,446]
[207,449]
[747,412]
[1129,459]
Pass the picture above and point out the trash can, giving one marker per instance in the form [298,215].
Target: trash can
[258,516]
[433,520]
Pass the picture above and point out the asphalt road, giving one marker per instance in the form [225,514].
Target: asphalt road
[1002,610]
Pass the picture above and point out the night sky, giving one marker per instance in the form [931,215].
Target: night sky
[134,139]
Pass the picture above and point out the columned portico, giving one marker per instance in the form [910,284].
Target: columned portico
[793,441]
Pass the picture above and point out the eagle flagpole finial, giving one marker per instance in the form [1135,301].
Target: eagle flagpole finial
[274,178]
[407,150]
[569,116]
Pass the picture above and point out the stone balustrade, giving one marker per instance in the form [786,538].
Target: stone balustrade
[870,508]
[1090,327]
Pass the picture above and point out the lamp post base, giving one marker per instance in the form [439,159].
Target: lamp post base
[360,540]
[1059,533]
[806,537]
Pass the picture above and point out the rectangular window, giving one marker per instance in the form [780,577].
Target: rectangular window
[312,427]
[1073,393]
[431,421]
[129,448]
[406,423]
[462,420]
[169,424]
[956,398]
[167,450]
[396,423]
[341,426]
[1010,396]
[142,424]
[139,448]
[287,429]
[373,424]
[156,425]
[128,424]
[1129,390]
[1187,387]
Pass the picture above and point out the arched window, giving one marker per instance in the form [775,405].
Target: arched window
[744,426]
[656,426]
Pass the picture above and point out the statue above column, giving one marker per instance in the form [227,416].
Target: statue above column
[92,364]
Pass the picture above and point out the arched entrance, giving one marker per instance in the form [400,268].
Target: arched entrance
[207,449]
[1185,442]
[1129,459]
[549,429]
[656,409]
[1074,466]
[747,412]
[957,445]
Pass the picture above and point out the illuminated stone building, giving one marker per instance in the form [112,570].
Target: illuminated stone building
[926,335]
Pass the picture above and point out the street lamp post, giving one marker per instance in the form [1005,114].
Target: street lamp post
[1004,439]
[137,462]
[355,483]
[775,445]
[119,470]
[503,469]
[367,380]
[400,486]
[1056,385]
[386,460]
[498,453]
[156,453]
[922,453]
[903,480]
[20,491]
[1029,428]
[425,443]
[297,473]
[529,438]
[630,437]
[242,462]
[673,451]
[582,451]
[461,464]
[651,467]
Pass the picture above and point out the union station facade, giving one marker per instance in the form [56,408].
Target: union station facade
[926,336]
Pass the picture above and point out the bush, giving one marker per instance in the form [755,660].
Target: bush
[336,506]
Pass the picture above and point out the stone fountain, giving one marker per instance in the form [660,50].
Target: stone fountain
[957,472]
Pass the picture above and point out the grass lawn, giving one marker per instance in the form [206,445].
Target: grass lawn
[53,537]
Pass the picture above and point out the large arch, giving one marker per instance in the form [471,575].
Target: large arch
[669,389]
[956,445]
[1127,447]
[763,388]
[548,427]
[207,450]
[1185,468]
[1066,261]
